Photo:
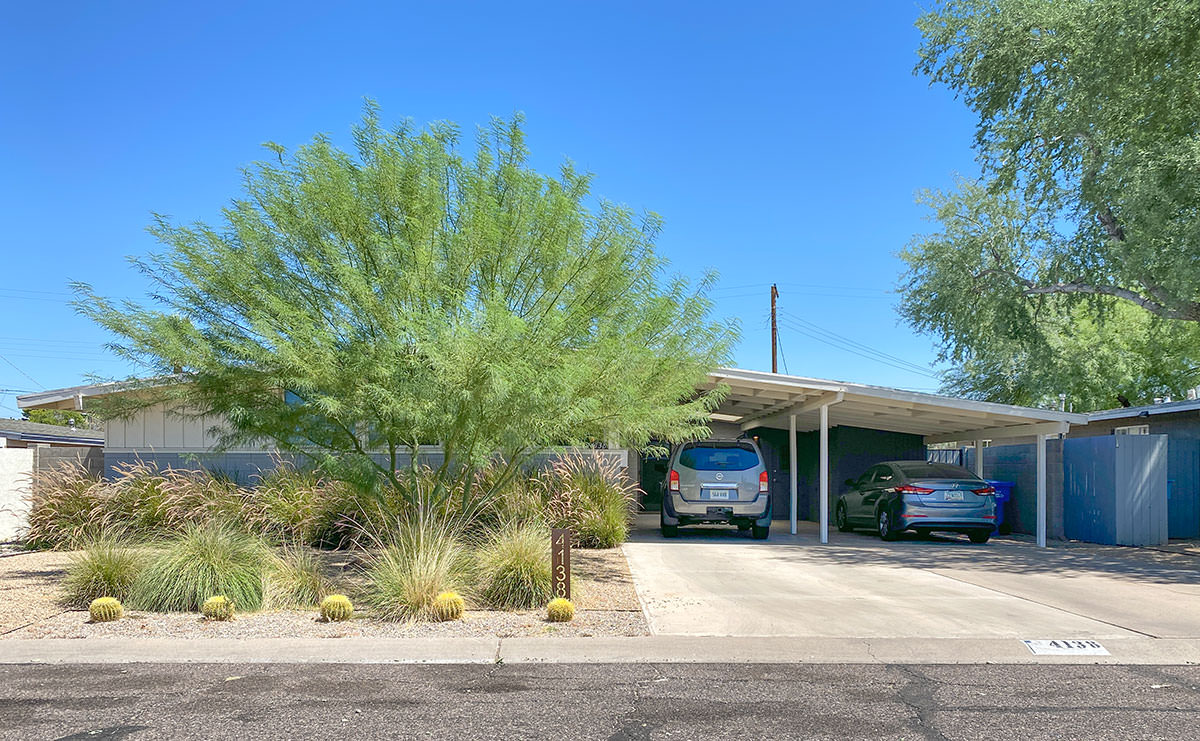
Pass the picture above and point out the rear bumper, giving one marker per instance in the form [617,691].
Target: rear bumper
[676,511]
[947,518]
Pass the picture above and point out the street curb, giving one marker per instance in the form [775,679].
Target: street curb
[610,650]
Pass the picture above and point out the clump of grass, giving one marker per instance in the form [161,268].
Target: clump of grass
[204,560]
[295,579]
[106,568]
[66,509]
[292,505]
[514,566]
[592,497]
[423,559]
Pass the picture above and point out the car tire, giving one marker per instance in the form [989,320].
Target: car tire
[840,518]
[979,536]
[670,531]
[760,533]
[887,529]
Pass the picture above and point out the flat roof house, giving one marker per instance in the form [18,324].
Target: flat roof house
[829,429]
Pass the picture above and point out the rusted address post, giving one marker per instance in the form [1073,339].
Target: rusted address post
[560,562]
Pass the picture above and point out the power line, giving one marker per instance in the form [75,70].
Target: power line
[866,348]
[908,368]
[23,373]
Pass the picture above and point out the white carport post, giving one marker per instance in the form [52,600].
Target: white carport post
[1041,491]
[793,473]
[824,473]
[979,458]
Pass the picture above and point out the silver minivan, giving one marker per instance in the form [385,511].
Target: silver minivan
[717,482]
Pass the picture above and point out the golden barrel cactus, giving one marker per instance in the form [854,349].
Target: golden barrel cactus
[105,609]
[336,608]
[560,610]
[448,606]
[217,608]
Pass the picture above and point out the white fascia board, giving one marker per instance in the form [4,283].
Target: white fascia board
[884,392]
[999,433]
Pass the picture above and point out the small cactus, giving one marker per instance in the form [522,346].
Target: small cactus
[560,610]
[448,606]
[217,608]
[105,609]
[336,608]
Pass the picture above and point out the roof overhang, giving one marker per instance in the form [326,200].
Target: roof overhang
[760,399]
[74,397]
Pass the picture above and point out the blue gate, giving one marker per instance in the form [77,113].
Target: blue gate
[1183,488]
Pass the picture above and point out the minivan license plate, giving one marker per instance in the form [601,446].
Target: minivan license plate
[953,496]
[719,493]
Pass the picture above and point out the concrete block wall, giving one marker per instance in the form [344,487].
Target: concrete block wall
[1018,464]
[16,473]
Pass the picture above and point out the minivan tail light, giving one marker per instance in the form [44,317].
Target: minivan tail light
[762,481]
[987,491]
[674,480]
[910,489]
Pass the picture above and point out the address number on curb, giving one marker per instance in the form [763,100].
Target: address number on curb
[1066,647]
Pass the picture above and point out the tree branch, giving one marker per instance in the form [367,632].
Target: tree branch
[1187,311]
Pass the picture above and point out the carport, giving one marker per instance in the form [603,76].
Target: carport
[758,400]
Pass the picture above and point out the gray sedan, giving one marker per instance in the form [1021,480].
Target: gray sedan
[914,495]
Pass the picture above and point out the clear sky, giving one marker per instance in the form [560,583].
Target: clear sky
[781,142]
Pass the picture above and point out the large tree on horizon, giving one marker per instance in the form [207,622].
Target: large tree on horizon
[356,305]
[1089,144]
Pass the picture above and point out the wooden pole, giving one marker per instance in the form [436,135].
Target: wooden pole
[774,332]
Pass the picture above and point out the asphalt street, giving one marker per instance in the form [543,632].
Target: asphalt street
[600,701]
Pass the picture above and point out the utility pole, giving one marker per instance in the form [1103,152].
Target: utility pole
[774,332]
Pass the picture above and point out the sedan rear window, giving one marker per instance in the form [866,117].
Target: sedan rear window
[718,458]
[921,470]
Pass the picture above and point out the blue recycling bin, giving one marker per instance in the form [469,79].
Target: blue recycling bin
[1004,490]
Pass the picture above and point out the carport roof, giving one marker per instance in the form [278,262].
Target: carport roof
[760,399]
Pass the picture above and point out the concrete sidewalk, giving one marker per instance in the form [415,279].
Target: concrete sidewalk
[624,650]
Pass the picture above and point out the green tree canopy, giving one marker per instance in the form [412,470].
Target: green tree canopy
[353,305]
[1090,149]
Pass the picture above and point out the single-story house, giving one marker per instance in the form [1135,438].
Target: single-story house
[831,430]
[1179,422]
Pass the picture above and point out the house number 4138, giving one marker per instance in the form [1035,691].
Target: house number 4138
[560,562]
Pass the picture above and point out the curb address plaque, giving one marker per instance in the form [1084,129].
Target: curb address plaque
[560,562]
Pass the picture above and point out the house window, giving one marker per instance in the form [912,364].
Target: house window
[1132,430]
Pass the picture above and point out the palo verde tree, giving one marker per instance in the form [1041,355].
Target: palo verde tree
[1089,144]
[355,306]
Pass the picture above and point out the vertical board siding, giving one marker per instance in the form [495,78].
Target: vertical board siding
[1183,487]
[1089,489]
[1115,489]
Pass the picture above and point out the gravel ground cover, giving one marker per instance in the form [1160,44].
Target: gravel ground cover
[29,587]
[602,588]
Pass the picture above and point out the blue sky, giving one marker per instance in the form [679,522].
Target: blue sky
[780,142]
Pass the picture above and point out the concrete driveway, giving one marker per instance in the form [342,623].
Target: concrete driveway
[720,582]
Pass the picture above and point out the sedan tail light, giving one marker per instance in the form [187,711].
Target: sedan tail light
[762,481]
[674,480]
[910,489]
[987,491]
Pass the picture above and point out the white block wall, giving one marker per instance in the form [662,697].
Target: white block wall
[16,473]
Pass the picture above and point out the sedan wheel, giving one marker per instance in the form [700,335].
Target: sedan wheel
[886,528]
[843,522]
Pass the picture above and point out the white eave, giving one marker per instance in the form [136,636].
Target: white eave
[760,399]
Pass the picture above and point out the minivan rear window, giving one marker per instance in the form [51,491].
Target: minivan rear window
[919,470]
[718,458]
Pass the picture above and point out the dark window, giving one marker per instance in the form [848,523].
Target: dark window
[922,470]
[718,458]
